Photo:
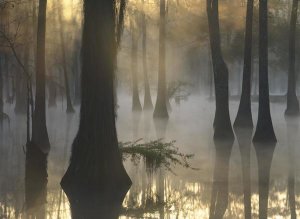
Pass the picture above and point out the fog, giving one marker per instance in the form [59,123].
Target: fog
[187,192]
[178,191]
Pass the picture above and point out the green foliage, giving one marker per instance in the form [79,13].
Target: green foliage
[155,154]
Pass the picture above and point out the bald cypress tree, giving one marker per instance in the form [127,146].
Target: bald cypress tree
[244,115]
[96,162]
[39,129]
[160,110]
[264,129]
[147,94]
[292,107]
[222,123]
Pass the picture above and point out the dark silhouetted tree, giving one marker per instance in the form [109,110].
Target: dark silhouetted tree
[292,107]
[244,115]
[95,162]
[35,182]
[39,129]
[264,128]
[161,110]
[222,123]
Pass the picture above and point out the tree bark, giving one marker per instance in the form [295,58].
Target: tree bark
[264,129]
[147,96]
[96,162]
[222,123]
[244,115]
[39,129]
[292,107]
[161,110]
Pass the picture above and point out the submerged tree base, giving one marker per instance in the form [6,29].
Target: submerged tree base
[292,109]
[243,120]
[35,179]
[265,136]
[94,167]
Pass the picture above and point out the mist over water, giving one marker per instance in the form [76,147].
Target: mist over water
[217,173]
[186,194]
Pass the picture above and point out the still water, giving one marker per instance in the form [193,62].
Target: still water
[182,193]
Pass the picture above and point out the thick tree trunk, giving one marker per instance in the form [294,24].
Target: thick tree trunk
[39,129]
[292,107]
[244,115]
[264,129]
[161,110]
[147,96]
[96,162]
[222,123]
[136,104]
[70,108]
[35,182]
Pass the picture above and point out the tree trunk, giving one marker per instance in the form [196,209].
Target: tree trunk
[136,104]
[35,182]
[147,98]
[244,115]
[39,129]
[70,108]
[292,107]
[161,110]
[96,162]
[264,129]
[222,124]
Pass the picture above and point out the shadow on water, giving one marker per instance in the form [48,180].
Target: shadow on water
[292,124]
[244,137]
[219,194]
[35,183]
